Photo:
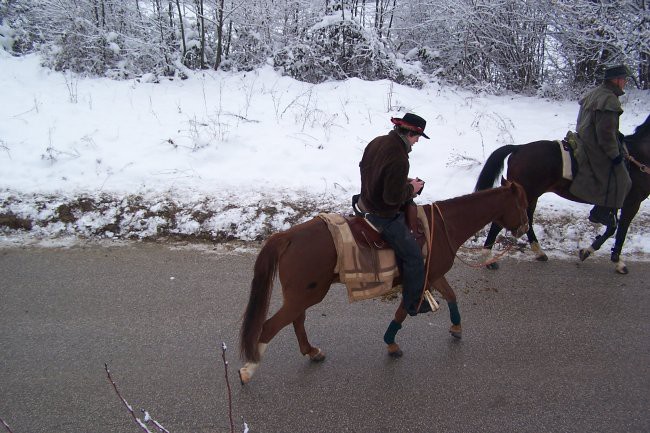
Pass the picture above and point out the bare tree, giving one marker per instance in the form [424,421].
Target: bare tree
[519,45]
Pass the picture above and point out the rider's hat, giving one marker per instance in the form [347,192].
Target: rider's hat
[412,122]
[617,71]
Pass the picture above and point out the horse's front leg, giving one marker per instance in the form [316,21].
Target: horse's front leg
[597,243]
[442,286]
[394,326]
[314,353]
[630,209]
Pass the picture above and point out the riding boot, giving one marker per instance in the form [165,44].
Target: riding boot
[603,215]
[409,259]
[424,308]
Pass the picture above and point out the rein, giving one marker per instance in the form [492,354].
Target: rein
[426,294]
[494,259]
[644,168]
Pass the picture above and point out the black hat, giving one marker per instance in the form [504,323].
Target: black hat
[412,122]
[618,71]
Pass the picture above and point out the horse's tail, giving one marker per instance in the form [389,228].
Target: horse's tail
[266,267]
[493,167]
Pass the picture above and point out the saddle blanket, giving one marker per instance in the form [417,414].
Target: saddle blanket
[567,172]
[366,272]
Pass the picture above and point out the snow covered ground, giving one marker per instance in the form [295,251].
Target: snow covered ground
[237,156]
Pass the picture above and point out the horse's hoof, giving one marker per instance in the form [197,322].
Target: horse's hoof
[456,331]
[621,269]
[583,254]
[540,255]
[317,356]
[394,351]
[493,266]
[244,376]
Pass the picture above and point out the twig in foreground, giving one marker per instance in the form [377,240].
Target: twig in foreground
[156,424]
[225,363]
[126,403]
[6,425]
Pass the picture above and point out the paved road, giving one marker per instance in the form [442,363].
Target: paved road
[561,346]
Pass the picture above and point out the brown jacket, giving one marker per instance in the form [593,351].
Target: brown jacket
[384,175]
[598,181]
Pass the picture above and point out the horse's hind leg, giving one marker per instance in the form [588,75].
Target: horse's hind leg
[314,353]
[271,327]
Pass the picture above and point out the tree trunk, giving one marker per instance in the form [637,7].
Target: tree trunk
[217,61]
[390,23]
[182,27]
[644,71]
[227,50]
[201,23]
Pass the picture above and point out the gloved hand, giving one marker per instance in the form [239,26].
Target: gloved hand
[617,160]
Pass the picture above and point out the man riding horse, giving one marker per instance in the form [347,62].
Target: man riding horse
[386,190]
[602,179]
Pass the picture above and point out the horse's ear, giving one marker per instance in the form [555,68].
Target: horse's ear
[504,181]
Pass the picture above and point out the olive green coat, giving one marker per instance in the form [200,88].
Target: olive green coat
[598,180]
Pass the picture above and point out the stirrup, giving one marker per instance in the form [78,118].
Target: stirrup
[431,300]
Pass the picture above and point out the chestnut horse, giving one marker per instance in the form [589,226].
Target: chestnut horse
[304,257]
[537,166]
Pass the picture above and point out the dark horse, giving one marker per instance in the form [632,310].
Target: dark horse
[537,166]
[304,257]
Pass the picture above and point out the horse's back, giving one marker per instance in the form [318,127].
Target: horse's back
[541,155]
[537,166]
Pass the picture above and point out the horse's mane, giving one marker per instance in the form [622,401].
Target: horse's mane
[640,132]
[470,196]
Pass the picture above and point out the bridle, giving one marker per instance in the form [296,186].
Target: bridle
[523,227]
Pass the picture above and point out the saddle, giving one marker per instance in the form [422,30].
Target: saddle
[365,262]
[367,236]
[569,148]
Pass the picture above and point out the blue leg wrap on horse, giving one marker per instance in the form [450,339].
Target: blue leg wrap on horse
[453,313]
[389,336]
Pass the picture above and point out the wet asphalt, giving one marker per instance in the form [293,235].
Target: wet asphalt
[562,346]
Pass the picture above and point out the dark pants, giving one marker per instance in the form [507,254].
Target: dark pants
[408,255]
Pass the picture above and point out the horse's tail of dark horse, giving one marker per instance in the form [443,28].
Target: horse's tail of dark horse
[266,267]
[493,167]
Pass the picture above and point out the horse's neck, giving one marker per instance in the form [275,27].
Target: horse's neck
[462,217]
